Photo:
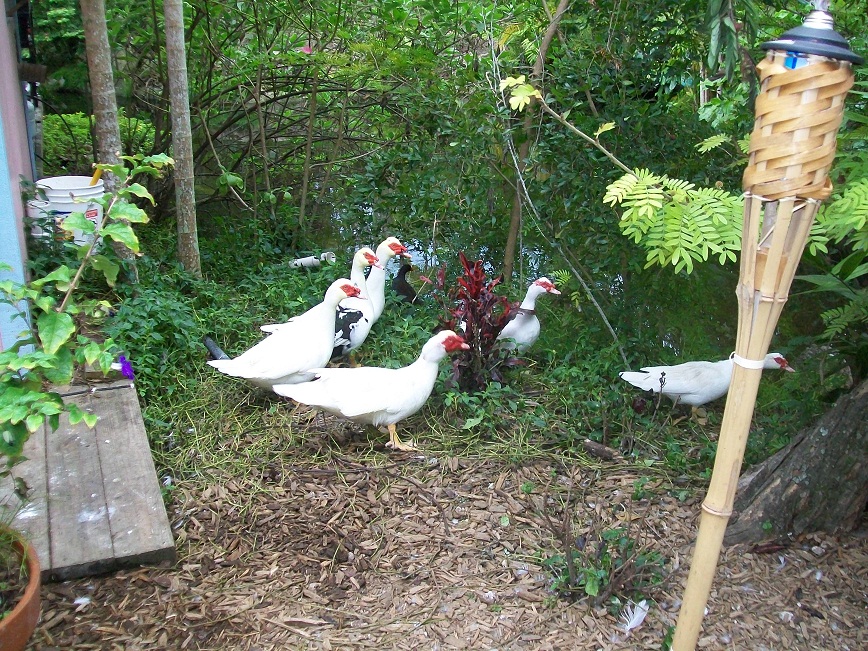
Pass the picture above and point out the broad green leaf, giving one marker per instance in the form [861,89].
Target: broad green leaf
[78,222]
[123,233]
[77,415]
[62,368]
[108,268]
[55,329]
[62,274]
[33,422]
[91,352]
[158,160]
[128,212]
[521,96]
[603,128]
[119,170]
[140,191]
[509,82]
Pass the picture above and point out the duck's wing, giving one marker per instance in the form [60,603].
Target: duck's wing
[679,380]
[349,392]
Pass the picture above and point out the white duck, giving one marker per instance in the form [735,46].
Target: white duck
[694,383]
[355,315]
[388,249]
[523,327]
[302,343]
[377,396]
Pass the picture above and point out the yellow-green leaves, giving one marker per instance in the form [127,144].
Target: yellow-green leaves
[603,128]
[521,93]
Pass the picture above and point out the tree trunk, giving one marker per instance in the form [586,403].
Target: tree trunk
[105,105]
[524,149]
[102,86]
[182,137]
[818,482]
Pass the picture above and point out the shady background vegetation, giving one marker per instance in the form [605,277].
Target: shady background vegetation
[331,125]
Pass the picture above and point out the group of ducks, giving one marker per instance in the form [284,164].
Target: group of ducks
[291,360]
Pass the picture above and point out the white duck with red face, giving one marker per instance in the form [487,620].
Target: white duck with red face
[694,383]
[355,315]
[302,343]
[388,249]
[523,328]
[377,396]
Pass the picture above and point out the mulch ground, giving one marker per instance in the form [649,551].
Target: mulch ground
[439,552]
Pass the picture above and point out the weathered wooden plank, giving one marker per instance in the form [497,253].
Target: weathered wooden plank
[95,502]
[79,532]
[139,525]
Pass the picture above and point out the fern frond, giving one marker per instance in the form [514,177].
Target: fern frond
[710,143]
[677,223]
[508,32]
[853,315]
[562,277]
[617,190]
[847,216]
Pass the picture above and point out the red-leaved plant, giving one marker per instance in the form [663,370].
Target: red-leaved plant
[473,309]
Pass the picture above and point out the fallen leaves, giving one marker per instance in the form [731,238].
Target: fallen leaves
[449,555]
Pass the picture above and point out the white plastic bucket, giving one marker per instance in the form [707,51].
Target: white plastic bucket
[38,212]
[69,194]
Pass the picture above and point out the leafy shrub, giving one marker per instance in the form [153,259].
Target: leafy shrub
[57,343]
[604,565]
[67,142]
[473,309]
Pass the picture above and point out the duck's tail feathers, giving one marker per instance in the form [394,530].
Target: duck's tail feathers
[213,349]
[640,380]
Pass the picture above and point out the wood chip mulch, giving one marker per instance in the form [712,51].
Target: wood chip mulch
[441,553]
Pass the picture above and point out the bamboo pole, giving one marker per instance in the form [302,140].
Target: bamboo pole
[798,112]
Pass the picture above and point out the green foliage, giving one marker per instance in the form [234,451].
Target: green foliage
[606,564]
[724,49]
[68,147]
[845,217]
[48,352]
[711,142]
[678,223]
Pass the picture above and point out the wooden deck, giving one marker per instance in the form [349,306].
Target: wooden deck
[95,503]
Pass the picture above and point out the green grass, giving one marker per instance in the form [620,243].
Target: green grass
[202,423]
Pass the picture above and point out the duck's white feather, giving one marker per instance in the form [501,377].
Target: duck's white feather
[388,249]
[693,383]
[523,329]
[374,395]
[286,356]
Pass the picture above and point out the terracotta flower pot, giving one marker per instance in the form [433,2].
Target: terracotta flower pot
[17,627]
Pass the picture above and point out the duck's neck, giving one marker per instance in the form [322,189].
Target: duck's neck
[376,285]
[528,305]
[357,275]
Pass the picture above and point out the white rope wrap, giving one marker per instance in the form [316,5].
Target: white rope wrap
[748,363]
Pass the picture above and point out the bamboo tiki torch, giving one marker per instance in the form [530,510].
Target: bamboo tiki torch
[804,79]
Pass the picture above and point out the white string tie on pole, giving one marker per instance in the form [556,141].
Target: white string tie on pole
[756,364]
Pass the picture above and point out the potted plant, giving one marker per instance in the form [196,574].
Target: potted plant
[48,352]
[20,583]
